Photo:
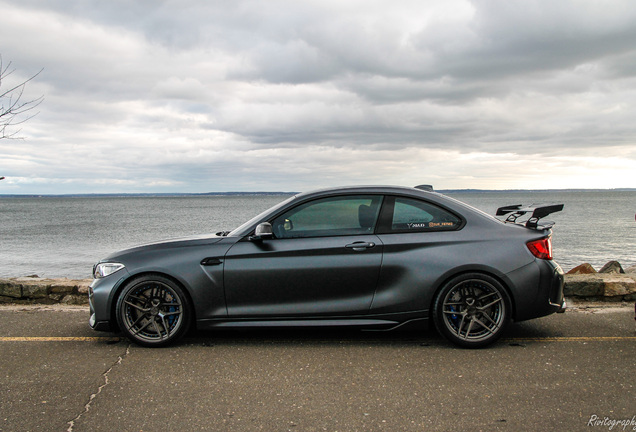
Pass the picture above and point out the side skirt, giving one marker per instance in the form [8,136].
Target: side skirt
[377,323]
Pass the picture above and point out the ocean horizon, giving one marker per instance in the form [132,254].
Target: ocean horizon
[247,193]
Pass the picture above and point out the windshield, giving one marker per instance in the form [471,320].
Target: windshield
[259,218]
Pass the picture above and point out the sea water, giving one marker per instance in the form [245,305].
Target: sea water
[65,236]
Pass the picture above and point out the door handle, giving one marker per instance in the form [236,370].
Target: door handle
[360,246]
[211,261]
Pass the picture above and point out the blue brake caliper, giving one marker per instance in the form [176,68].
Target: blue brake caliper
[171,318]
[455,318]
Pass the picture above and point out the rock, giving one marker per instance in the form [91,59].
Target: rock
[582,269]
[74,299]
[59,287]
[583,286]
[612,267]
[631,269]
[609,287]
[35,291]
[619,286]
[9,289]
[56,297]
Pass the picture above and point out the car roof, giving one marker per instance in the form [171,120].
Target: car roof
[367,189]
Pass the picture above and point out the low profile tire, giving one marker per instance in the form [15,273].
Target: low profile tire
[472,310]
[153,311]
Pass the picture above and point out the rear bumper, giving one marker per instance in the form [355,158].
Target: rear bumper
[551,283]
[557,299]
[561,307]
[539,290]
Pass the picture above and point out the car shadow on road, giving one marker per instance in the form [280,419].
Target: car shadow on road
[317,336]
[335,337]
[350,337]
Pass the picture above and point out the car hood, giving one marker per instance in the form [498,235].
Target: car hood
[198,240]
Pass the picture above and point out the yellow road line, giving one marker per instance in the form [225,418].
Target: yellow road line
[572,339]
[58,339]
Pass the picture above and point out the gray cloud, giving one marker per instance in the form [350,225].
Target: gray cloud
[242,95]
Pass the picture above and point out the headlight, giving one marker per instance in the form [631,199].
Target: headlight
[104,269]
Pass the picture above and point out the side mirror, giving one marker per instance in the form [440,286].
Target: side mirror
[263,231]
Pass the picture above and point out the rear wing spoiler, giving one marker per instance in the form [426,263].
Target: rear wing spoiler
[538,211]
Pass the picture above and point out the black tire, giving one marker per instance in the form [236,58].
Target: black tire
[153,311]
[472,310]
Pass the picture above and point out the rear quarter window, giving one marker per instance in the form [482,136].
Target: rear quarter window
[412,215]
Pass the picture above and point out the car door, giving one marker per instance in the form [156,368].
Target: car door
[324,260]
[422,241]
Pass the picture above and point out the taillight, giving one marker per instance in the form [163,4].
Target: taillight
[541,248]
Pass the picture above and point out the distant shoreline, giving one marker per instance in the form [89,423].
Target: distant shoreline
[261,193]
[145,195]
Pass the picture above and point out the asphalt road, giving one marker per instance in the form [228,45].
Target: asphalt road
[574,371]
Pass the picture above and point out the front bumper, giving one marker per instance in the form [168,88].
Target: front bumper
[103,325]
[100,297]
[98,325]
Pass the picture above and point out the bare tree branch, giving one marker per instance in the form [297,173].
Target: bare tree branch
[13,109]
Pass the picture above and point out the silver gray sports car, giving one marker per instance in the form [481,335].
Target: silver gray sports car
[373,257]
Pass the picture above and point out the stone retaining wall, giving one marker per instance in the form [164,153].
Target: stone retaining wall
[614,287]
[27,290]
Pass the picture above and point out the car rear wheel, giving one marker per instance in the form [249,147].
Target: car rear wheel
[153,311]
[472,310]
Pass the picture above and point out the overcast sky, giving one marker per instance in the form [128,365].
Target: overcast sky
[200,96]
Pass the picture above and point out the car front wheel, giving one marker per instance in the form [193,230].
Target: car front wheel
[153,311]
[472,310]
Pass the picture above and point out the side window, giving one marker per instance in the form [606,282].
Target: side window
[348,215]
[414,215]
